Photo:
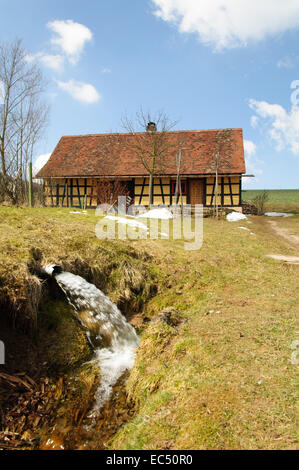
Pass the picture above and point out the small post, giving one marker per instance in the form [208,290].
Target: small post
[85,202]
[67,194]
[30,184]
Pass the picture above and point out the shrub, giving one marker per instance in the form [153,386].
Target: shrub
[260,200]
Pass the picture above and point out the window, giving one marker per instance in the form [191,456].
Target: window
[183,186]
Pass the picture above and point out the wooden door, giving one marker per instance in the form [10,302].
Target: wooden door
[196,190]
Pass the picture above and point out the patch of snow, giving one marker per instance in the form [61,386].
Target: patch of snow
[123,220]
[235,216]
[287,259]
[247,229]
[278,214]
[162,213]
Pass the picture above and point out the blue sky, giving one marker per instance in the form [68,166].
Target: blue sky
[208,64]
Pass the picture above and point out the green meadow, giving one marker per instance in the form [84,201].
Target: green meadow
[284,200]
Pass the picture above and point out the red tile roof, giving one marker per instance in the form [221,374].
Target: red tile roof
[114,155]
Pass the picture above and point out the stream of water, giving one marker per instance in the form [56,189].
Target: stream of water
[113,339]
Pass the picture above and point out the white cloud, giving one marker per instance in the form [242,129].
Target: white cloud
[230,23]
[252,163]
[80,91]
[52,95]
[285,63]
[254,120]
[54,62]
[30,57]
[282,126]
[248,183]
[106,70]
[70,37]
[249,147]
[40,161]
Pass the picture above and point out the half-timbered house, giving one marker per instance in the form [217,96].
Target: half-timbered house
[79,162]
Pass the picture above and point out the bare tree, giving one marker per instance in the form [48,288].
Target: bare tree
[179,161]
[149,140]
[108,191]
[223,148]
[23,117]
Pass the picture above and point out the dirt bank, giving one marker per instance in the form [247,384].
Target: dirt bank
[45,390]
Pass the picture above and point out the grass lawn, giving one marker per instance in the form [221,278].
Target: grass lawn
[222,378]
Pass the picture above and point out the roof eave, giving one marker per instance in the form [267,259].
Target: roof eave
[169,175]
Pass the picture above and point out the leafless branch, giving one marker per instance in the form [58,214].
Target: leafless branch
[151,146]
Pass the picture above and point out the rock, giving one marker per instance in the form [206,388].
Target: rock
[209,312]
[170,316]
[61,338]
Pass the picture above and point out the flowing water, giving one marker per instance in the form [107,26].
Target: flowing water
[113,339]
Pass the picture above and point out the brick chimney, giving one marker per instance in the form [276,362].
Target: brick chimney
[151,127]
